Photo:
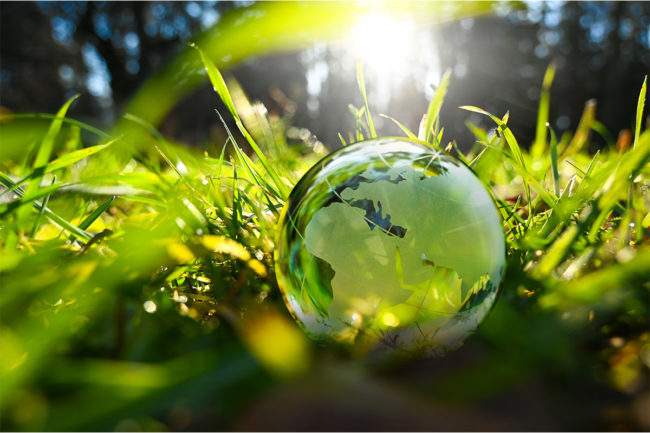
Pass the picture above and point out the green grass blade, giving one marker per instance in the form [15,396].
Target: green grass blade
[358,114]
[96,213]
[362,87]
[41,211]
[220,87]
[556,173]
[639,212]
[461,155]
[76,156]
[161,142]
[434,107]
[585,125]
[438,141]
[601,130]
[145,200]
[478,132]
[235,221]
[71,228]
[47,116]
[477,158]
[45,150]
[639,111]
[404,129]
[251,169]
[44,153]
[504,130]
[592,165]
[219,168]
[343,143]
[519,162]
[542,112]
[65,160]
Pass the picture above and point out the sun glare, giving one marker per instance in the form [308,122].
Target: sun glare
[392,50]
[382,44]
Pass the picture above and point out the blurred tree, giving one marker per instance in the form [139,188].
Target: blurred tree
[49,51]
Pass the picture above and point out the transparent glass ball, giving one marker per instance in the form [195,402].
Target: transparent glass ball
[390,244]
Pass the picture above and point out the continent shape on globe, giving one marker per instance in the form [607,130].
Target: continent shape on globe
[361,244]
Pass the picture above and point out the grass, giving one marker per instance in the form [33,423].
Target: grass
[123,289]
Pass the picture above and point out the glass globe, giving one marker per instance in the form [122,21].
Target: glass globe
[390,244]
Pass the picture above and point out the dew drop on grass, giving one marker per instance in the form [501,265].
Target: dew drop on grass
[150,307]
[390,244]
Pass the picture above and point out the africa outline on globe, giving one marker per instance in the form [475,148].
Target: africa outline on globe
[390,243]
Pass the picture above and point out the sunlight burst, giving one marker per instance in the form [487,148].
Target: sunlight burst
[383,45]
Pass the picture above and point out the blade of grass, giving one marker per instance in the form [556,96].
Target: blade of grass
[582,132]
[71,228]
[478,132]
[44,153]
[619,181]
[41,211]
[637,132]
[251,170]
[477,157]
[359,123]
[639,211]
[65,161]
[236,205]
[343,143]
[556,174]
[504,130]
[82,125]
[45,150]
[601,130]
[438,141]
[460,154]
[639,111]
[219,168]
[434,107]
[161,147]
[542,112]
[592,165]
[404,129]
[96,213]
[362,87]
[144,200]
[219,86]
[520,164]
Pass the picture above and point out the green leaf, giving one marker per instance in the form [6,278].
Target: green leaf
[96,213]
[556,174]
[45,151]
[343,143]
[542,113]
[404,129]
[639,111]
[434,107]
[362,87]
[220,87]
[519,163]
[65,160]
[71,228]
[39,217]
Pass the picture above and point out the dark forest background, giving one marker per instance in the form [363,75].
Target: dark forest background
[106,50]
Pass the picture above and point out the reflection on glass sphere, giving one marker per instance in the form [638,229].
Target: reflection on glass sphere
[390,244]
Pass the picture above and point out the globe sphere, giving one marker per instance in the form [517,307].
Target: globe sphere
[390,244]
